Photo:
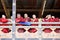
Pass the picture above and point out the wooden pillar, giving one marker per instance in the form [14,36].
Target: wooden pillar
[5,9]
[42,8]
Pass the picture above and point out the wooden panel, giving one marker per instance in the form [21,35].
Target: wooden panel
[26,4]
[57,4]
[49,4]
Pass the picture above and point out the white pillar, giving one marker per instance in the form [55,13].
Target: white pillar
[13,19]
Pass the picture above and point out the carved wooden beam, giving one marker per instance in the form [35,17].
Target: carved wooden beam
[5,9]
[42,8]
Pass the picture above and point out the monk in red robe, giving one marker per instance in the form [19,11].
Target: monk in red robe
[52,19]
[46,19]
[4,20]
[19,19]
[26,18]
[34,19]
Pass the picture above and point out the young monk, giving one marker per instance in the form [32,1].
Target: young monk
[19,19]
[34,19]
[26,18]
[49,18]
[45,19]
[52,19]
[4,19]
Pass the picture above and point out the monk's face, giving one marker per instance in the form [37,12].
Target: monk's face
[3,16]
[46,16]
[34,16]
[18,15]
[49,16]
[53,16]
[25,15]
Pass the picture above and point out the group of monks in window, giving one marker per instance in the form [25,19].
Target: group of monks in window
[26,18]
[26,21]
[19,19]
